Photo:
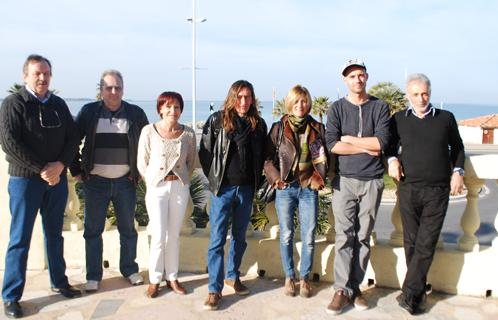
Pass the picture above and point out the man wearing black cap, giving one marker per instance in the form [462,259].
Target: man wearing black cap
[357,133]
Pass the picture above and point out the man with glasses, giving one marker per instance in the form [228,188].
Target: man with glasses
[357,133]
[39,138]
[107,166]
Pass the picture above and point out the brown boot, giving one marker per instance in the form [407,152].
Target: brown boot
[290,287]
[305,289]
[153,290]
[338,303]
[176,287]
[212,301]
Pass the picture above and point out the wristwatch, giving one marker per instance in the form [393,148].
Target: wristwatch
[460,171]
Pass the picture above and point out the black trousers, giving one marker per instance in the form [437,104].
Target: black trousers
[423,209]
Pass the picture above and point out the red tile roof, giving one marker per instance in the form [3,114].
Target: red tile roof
[489,121]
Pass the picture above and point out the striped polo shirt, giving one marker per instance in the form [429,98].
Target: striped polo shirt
[111,158]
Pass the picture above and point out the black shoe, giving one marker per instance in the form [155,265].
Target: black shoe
[406,302]
[68,292]
[12,309]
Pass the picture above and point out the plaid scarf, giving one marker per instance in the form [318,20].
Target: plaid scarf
[301,129]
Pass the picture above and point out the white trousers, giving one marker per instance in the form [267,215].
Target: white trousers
[166,204]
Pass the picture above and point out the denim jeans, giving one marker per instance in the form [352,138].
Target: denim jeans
[99,192]
[233,202]
[27,196]
[286,202]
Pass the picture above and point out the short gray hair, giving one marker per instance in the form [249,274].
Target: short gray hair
[418,77]
[111,72]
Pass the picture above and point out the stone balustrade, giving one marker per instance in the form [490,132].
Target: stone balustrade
[462,268]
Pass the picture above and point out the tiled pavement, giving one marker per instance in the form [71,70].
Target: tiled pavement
[116,299]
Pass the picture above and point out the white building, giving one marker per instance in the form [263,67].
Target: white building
[480,130]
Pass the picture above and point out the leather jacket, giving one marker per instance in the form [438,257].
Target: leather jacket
[287,152]
[214,146]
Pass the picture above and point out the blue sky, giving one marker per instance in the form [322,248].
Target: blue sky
[272,43]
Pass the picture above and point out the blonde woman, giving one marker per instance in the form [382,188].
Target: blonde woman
[298,177]
[166,155]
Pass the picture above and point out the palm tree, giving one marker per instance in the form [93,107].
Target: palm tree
[15,88]
[391,94]
[319,106]
[279,108]
[98,96]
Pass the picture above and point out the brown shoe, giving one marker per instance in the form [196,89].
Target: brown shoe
[290,287]
[338,303]
[237,286]
[176,287]
[305,289]
[212,301]
[359,302]
[153,290]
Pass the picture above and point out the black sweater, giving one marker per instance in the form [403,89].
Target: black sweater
[30,143]
[430,147]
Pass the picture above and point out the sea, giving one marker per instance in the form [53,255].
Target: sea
[460,110]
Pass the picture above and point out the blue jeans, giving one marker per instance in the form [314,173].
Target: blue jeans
[99,192]
[286,202]
[233,202]
[27,196]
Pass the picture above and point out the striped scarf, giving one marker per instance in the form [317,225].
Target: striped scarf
[301,129]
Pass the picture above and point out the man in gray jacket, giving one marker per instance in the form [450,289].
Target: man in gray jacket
[357,133]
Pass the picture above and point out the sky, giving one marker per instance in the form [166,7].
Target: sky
[275,44]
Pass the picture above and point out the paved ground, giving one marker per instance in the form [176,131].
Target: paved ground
[117,300]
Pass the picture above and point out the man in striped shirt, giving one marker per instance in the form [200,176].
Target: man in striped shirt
[107,166]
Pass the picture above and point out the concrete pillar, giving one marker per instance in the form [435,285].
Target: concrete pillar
[470,220]
[71,220]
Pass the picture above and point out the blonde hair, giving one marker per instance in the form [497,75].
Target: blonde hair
[297,92]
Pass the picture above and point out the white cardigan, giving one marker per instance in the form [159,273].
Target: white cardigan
[157,156]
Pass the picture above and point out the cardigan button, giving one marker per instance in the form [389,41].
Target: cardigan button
[161,168]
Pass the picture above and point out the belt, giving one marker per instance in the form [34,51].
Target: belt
[170,178]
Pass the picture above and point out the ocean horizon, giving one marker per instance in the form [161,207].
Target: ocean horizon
[461,111]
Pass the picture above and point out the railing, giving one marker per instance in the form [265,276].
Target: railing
[464,268]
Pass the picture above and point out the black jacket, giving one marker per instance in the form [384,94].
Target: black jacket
[214,146]
[28,142]
[87,121]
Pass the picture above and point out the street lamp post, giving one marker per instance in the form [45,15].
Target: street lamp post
[194,21]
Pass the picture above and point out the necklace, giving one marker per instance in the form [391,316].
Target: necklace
[169,133]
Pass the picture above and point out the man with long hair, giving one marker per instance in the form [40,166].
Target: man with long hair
[231,153]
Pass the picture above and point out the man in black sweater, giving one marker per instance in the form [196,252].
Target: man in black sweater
[428,173]
[39,138]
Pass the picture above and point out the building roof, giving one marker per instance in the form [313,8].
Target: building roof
[489,121]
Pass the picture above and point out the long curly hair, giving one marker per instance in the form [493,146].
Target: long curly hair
[229,112]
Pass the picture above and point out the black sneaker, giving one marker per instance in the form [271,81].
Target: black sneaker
[68,292]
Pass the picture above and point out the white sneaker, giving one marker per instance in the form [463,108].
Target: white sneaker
[136,279]
[91,286]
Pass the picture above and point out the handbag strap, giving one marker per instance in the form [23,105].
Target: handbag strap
[280,134]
